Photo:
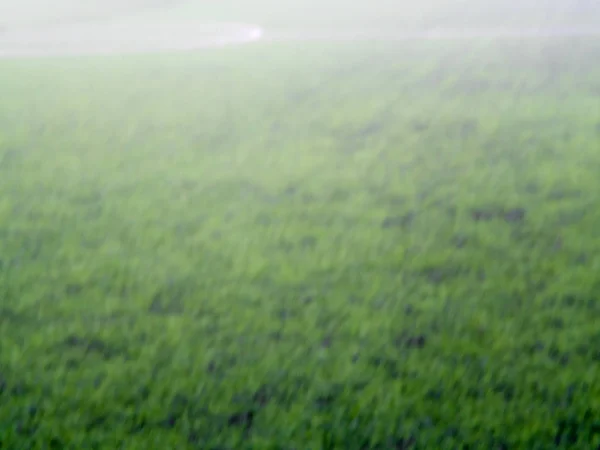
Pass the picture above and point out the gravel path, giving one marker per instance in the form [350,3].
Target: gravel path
[123,38]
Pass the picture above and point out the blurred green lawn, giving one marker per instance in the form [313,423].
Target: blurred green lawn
[302,246]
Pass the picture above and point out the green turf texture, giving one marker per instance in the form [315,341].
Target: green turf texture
[302,247]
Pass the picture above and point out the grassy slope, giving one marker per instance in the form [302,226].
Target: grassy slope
[301,247]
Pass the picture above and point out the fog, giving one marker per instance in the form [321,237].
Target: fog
[92,27]
[318,224]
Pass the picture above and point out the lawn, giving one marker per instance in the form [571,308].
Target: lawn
[302,246]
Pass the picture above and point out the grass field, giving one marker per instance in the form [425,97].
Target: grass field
[302,246]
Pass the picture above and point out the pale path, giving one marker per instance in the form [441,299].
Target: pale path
[115,38]
[126,38]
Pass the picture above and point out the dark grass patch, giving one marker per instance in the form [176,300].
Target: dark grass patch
[401,221]
[437,275]
[90,345]
[410,342]
[14,317]
[9,158]
[460,241]
[169,300]
[560,194]
[509,215]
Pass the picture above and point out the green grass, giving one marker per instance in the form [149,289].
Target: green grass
[302,247]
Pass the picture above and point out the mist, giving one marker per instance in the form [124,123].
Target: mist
[331,225]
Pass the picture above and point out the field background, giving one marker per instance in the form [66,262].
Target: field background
[302,246]
[314,13]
